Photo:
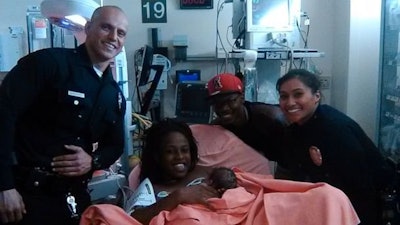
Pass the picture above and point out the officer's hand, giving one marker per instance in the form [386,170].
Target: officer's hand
[12,206]
[75,164]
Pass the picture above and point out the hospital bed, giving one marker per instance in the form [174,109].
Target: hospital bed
[260,197]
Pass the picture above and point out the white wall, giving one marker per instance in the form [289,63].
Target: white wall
[356,61]
[363,76]
[349,33]
[13,13]
[321,37]
[340,61]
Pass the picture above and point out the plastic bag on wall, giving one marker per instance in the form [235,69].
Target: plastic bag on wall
[267,93]
[250,84]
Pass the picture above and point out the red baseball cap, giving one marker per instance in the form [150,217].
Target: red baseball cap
[224,83]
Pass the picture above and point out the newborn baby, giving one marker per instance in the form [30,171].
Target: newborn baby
[222,178]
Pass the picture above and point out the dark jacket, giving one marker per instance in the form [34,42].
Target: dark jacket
[350,160]
[51,98]
[263,130]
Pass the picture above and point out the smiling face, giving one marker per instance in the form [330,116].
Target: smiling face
[229,108]
[298,101]
[106,34]
[175,158]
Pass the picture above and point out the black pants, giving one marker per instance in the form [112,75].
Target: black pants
[52,209]
[45,198]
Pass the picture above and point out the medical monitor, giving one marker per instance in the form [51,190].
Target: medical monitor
[191,102]
[146,63]
[270,15]
[187,75]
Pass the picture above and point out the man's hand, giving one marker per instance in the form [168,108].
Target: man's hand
[75,164]
[12,206]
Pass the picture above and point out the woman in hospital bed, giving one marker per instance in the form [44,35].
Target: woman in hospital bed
[181,193]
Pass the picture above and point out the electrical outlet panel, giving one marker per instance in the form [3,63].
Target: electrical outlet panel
[325,82]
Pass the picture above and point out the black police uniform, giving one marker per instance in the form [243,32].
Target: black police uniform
[350,160]
[51,98]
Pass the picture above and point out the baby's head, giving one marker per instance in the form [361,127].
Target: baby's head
[222,178]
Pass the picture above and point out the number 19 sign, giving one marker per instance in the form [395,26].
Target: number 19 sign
[154,11]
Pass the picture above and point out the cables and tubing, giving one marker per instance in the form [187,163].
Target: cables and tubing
[218,36]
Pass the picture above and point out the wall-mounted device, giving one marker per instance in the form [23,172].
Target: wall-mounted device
[199,4]
[144,67]
[270,15]
[191,102]
[163,61]
[257,22]
[143,80]
[187,75]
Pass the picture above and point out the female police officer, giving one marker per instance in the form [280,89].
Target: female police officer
[325,145]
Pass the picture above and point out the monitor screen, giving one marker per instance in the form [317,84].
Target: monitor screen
[187,75]
[147,61]
[191,102]
[269,15]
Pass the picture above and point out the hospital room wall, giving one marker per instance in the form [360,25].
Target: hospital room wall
[332,31]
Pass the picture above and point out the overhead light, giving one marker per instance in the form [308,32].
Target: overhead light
[78,19]
[69,14]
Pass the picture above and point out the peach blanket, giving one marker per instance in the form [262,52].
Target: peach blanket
[259,199]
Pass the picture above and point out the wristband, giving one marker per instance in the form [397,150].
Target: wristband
[96,162]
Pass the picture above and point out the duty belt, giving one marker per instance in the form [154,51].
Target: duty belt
[42,179]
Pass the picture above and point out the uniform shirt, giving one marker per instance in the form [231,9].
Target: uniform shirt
[263,130]
[51,98]
[350,160]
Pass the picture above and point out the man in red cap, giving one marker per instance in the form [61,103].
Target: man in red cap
[259,125]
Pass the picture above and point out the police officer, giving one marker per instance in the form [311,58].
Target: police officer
[61,117]
[325,145]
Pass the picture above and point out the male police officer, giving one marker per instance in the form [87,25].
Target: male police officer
[61,117]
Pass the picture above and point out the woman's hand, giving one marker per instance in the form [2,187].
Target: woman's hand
[196,194]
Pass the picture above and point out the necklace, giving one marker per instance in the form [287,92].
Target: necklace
[199,180]
[196,181]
